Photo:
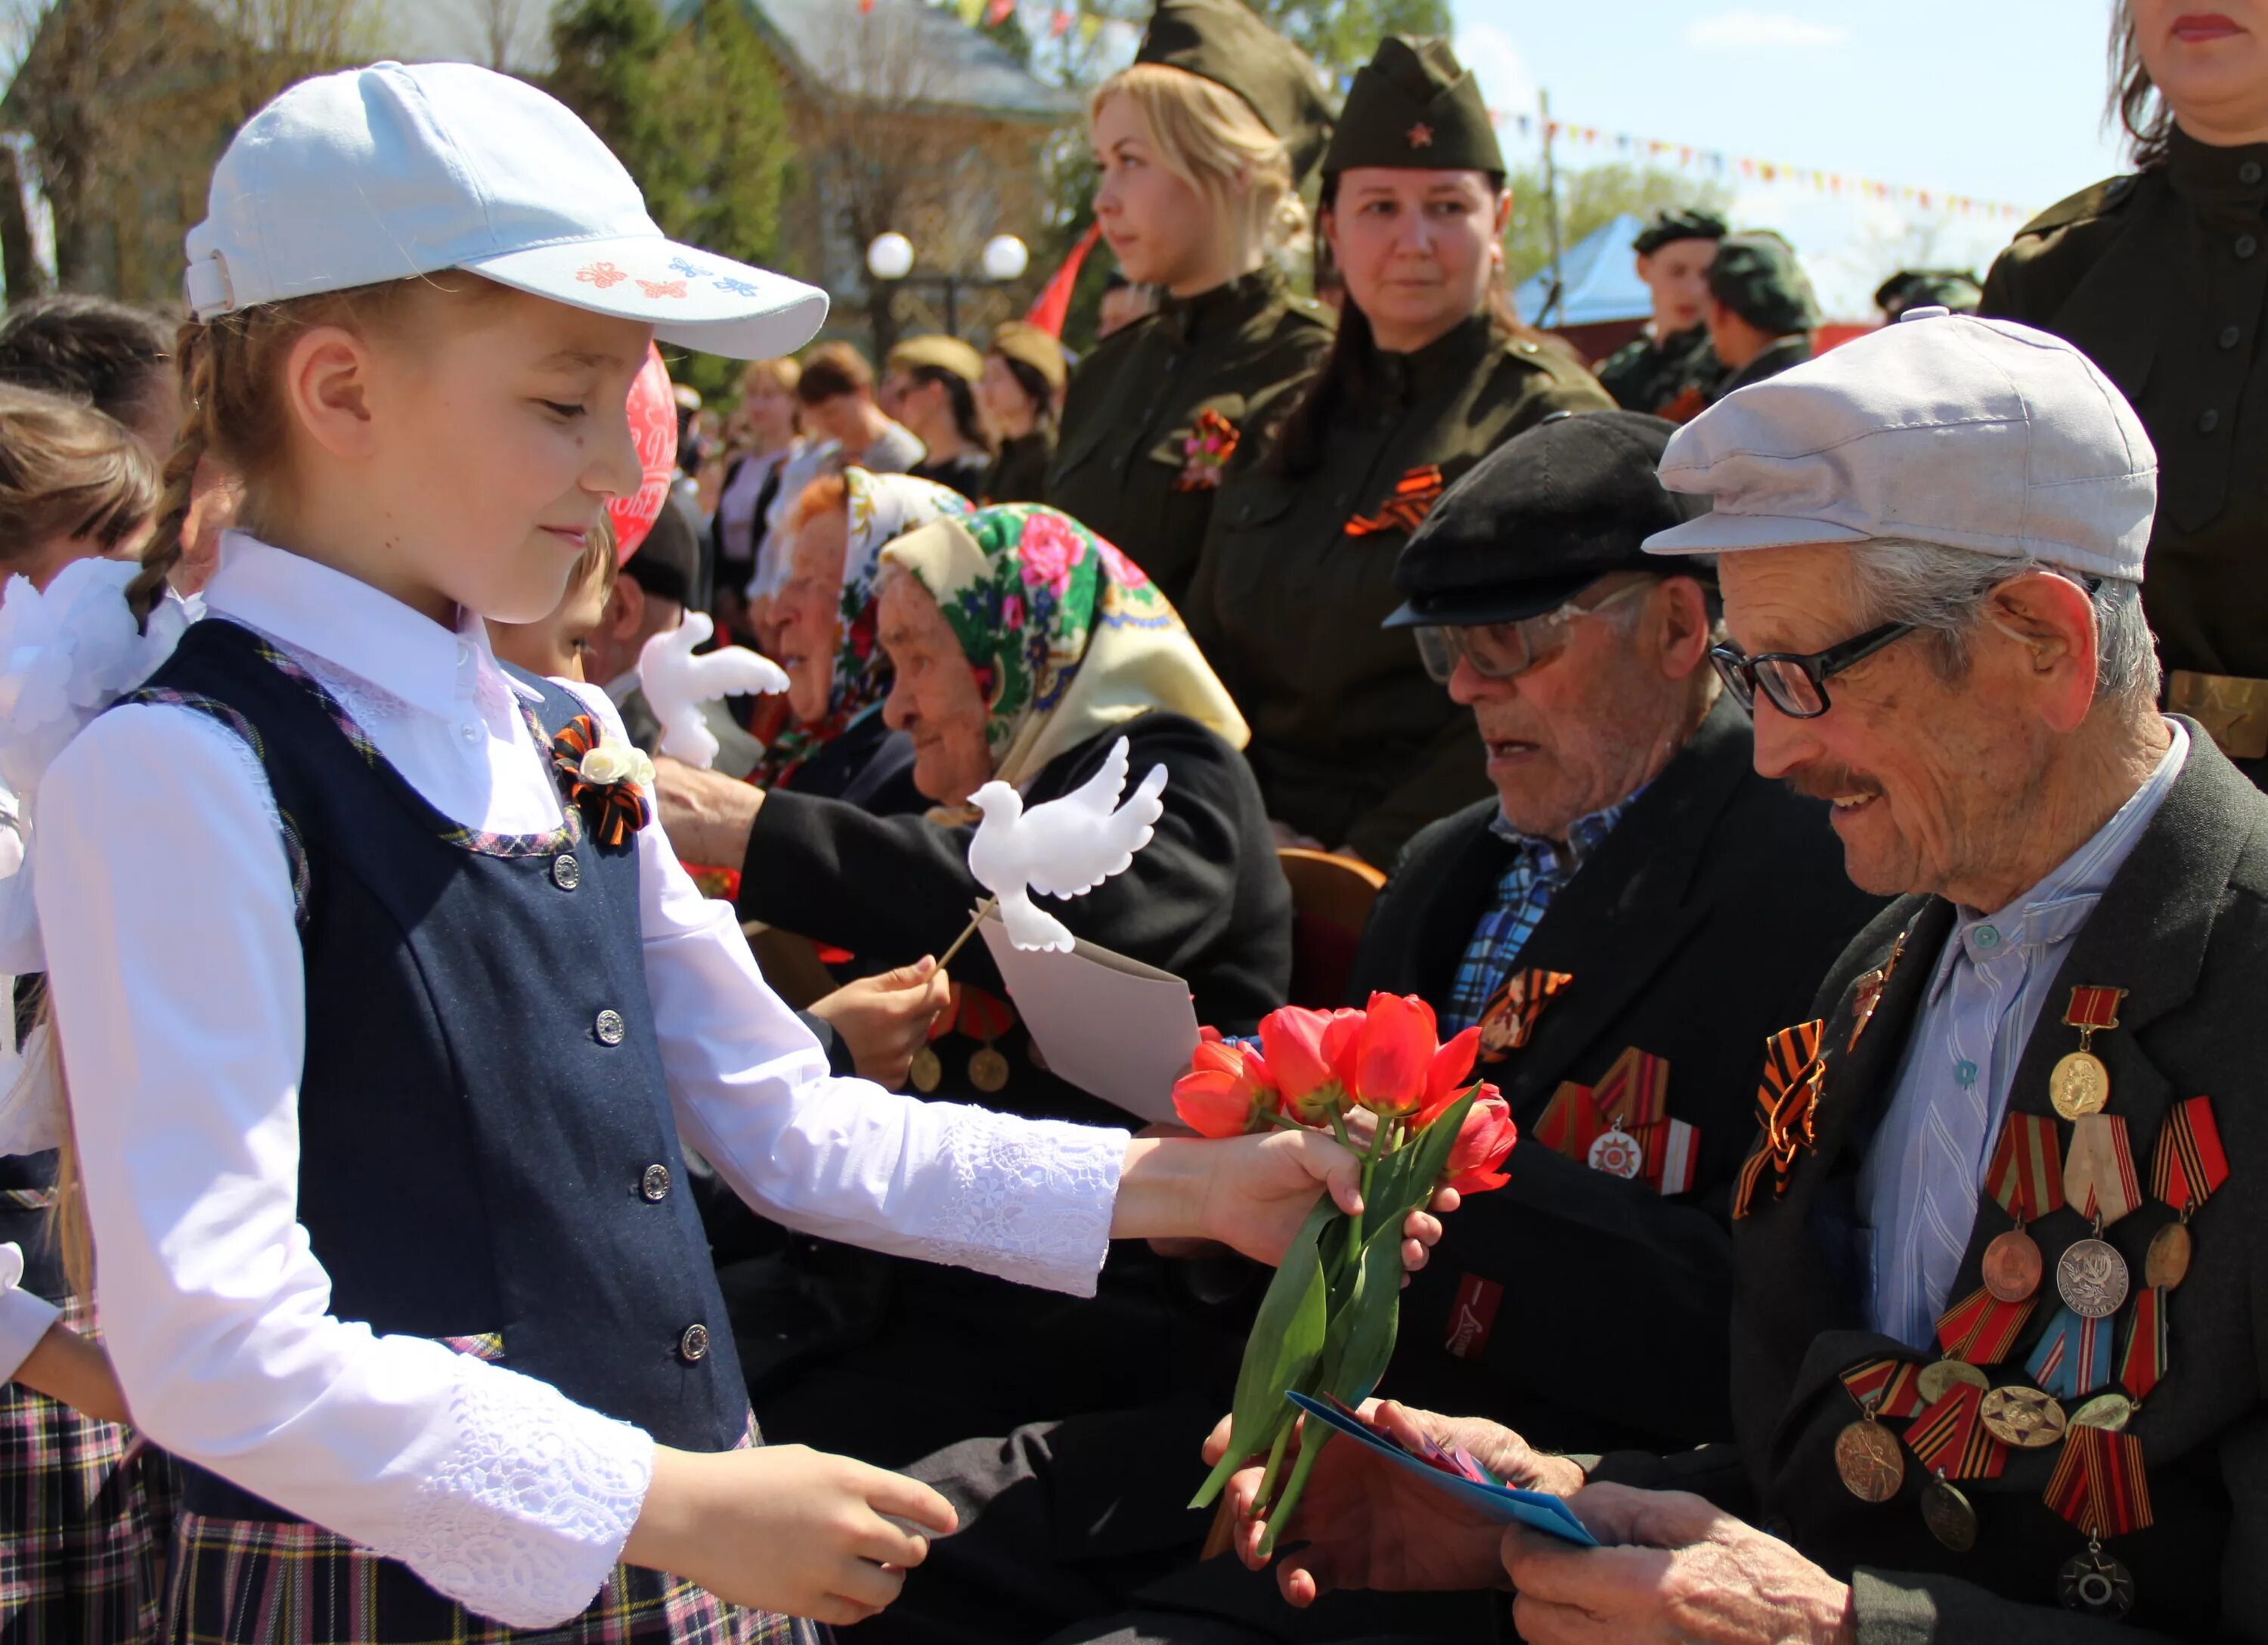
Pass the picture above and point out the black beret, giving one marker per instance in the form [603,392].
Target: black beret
[667,564]
[1673,223]
[1223,42]
[1755,275]
[1415,107]
[1541,518]
[1956,289]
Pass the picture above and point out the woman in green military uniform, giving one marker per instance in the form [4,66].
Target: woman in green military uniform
[1022,386]
[1355,746]
[2161,276]
[1202,143]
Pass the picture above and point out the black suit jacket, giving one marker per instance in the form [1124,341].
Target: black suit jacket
[1700,925]
[2184,927]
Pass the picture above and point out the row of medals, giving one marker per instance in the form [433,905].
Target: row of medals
[2092,1279]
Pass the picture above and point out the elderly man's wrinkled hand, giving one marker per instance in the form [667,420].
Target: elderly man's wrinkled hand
[1678,1569]
[706,815]
[1368,1523]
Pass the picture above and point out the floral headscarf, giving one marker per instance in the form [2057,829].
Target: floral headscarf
[881,507]
[1067,636]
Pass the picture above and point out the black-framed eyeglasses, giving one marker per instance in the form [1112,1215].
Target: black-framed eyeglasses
[1796,682]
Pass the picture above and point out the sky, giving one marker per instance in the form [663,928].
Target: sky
[1997,99]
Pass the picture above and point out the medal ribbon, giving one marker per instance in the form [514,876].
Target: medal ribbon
[2023,1176]
[1570,1123]
[1981,1328]
[2092,1009]
[1786,1101]
[2144,1362]
[2073,1360]
[2098,1170]
[1522,1000]
[1892,1387]
[2190,1163]
[2099,1485]
[1950,1439]
[1635,1091]
[1869,993]
[1671,1146]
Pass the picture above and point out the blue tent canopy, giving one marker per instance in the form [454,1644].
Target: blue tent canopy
[1600,278]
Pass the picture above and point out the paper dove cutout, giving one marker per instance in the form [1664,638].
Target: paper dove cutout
[1063,848]
[676,682]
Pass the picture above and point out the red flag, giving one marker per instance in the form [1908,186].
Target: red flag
[1053,305]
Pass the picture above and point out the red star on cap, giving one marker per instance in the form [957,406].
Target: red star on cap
[1421,136]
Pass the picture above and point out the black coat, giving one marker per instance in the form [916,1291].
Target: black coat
[1699,925]
[2184,927]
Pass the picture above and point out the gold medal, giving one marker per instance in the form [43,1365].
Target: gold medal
[2111,1412]
[1617,1152]
[2079,1085]
[1937,1378]
[2091,1278]
[1948,1515]
[927,1072]
[2095,1583]
[2167,1263]
[1870,1461]
[2012,1266]
[988,1071]
[2022,1417]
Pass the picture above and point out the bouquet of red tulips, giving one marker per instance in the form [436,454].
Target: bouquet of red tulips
[1325,1328]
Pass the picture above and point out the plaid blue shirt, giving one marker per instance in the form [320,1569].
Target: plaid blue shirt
[1539,868]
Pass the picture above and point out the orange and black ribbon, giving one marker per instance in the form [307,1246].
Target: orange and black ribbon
[2098,1484]
[2026,1176]
[614,811]
[1508,1021]
[1981,1328]
[2191,1163]
[1951,1439]
[2143,1365]
[1415,493]
[2099,1181]
[1787,1100]
[1868,994]
[1887,1388]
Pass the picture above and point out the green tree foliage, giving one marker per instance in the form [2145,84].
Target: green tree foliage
[1341,35]
[1591,198]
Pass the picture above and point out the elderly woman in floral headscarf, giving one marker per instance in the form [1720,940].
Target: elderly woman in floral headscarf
[1023,647]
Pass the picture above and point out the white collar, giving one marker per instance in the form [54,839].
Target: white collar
[347,622]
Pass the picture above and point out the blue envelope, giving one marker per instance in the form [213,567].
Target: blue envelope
[1505,1504]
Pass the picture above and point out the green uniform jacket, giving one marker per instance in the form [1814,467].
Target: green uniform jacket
[1649,374]
[1019,473]
[2162,279]
[1784,354]
[1353,742]
[1124,464]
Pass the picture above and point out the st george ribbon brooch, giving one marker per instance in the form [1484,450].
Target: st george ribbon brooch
[607,780]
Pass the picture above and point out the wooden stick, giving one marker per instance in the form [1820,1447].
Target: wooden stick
[983,909]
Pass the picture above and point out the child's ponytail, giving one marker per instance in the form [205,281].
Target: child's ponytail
[193,349]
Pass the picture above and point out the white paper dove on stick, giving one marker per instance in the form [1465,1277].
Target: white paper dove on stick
[1063,848]
[676,682]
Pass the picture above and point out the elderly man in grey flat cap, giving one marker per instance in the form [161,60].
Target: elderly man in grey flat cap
[2000,1325]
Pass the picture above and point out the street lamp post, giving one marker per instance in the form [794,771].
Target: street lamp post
[890,260]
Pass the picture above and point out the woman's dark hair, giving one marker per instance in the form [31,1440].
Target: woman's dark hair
[1344,379]
[1037,389]
[2136,103]
[966,421]
[109,354]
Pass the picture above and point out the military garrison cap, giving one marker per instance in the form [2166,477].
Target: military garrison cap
[935,349]
[1221,41]
[1755,275]
[1956,289]
[1042,351]
[1672,224]
[1540,519]
[1414,106]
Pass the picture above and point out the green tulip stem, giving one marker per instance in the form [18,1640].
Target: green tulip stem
[1313,1439]
[1275,1466]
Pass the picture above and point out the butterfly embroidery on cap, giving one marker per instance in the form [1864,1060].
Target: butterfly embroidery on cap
[662,288]
[601,274]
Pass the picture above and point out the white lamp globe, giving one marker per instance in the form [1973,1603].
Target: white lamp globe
[891,256]
[1005,257]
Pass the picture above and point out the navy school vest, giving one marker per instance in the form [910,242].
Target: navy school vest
[487,1154]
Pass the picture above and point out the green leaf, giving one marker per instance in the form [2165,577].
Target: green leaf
[1287,1336]
[1366,1335]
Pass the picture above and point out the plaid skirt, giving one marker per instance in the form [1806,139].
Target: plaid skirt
[86,1518]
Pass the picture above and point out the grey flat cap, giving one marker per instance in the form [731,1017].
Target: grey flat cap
[1979,434]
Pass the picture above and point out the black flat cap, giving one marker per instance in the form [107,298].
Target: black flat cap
[1223,42]
[1672,224]
[667,564]
[1541,518]
[1413,107]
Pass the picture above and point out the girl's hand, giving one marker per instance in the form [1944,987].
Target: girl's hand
[70,1368]
[788,1528]
[885,1020]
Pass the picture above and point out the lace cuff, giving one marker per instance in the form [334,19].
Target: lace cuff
[527,1510]
[1030,1200]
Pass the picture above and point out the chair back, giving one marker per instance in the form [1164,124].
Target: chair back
[1331,904]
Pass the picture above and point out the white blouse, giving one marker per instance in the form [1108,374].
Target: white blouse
[175,968]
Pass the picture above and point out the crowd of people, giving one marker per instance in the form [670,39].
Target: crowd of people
[467,1176]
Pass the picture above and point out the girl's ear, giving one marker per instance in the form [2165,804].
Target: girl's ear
[327,386]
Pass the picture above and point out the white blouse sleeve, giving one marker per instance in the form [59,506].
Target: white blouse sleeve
[1028,1200]
[175,968]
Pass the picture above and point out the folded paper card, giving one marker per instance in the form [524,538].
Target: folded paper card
[1504,1503]
[1113,1027]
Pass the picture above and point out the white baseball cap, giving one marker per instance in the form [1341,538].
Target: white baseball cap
[1978,434]
[395,170]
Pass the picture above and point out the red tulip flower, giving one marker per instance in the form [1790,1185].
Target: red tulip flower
[1302,1049]
[1389,1066]
[1449,1075]
[1478,1156]
[1227,1093]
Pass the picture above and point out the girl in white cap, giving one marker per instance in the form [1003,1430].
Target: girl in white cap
[383,1000]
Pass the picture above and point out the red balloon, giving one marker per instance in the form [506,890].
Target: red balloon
[653,425]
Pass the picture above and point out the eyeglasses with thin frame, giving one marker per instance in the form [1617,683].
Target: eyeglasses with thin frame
[1796,682]
[1504,651]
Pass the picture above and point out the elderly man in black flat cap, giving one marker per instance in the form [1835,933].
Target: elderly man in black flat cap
[1629,916]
